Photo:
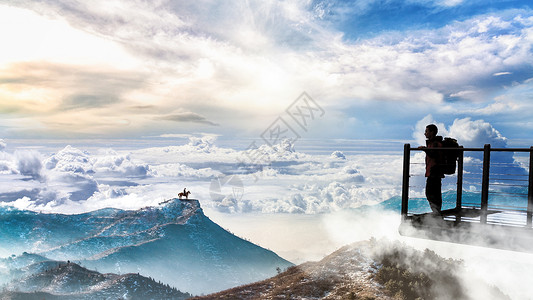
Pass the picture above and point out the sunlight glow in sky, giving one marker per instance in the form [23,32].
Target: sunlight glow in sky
[131,69]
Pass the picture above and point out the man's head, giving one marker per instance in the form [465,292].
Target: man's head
[431,131]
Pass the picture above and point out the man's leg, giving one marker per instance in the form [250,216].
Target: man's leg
[434,193]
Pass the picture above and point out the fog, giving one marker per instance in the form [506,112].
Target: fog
[300,238]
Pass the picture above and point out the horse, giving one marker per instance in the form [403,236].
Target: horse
[184,194]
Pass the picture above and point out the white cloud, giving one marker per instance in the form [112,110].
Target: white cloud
[468,133]
[200,150]
[420,128]
[501,73]
[29,163]
[290,181]
[109,161]
[70,159]
[49,35]
[476,133]
[7,161]
[180,170]
[7,166]
[68,176]
[338,155]
[275,50]
[73,180]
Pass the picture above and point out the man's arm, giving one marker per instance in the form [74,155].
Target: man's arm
[430,151]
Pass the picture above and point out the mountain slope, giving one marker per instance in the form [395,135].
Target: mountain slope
[71,281]
[368,270]
[173,242]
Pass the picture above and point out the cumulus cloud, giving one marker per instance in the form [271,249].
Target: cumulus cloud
[198,150]
[338,154]
[288,181]
[73,179]
[181,170]
[70,159]
[71,175]
[468,132]
[29,163]
[283,151]
[109,161]
[7,162]
[420,128]
[73,160]
[321,195]
[7,165]
[476,133]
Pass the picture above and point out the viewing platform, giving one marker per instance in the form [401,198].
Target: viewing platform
[498,211]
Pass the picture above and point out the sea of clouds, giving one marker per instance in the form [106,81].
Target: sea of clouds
[75,180]
[283,180]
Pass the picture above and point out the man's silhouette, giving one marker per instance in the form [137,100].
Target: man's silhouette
[434,173]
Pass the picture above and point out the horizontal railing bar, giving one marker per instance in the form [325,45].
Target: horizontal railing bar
[511,208]
[506,193]
[506,184]
[509,174]
[496,174]
[510,179]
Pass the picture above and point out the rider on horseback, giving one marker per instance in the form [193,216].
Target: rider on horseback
[185,193]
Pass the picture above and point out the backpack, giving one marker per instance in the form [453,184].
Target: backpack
[449,157]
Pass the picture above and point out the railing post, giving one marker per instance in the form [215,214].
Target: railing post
[530,190]
[459,201]
[485,184]
[405,182]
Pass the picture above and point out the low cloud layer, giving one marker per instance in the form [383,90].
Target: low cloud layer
[284,181]
[280,180]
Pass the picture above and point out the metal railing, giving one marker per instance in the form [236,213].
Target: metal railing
[502,180]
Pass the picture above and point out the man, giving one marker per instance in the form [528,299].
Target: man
[434,173]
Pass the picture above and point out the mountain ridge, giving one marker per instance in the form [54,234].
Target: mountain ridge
[368,270]
[173,242]
[67,280]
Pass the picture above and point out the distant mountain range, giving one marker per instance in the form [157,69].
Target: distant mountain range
[174,243]
[449,200]
[66,280]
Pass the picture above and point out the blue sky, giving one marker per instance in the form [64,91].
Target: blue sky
[134,69]
[364,19]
